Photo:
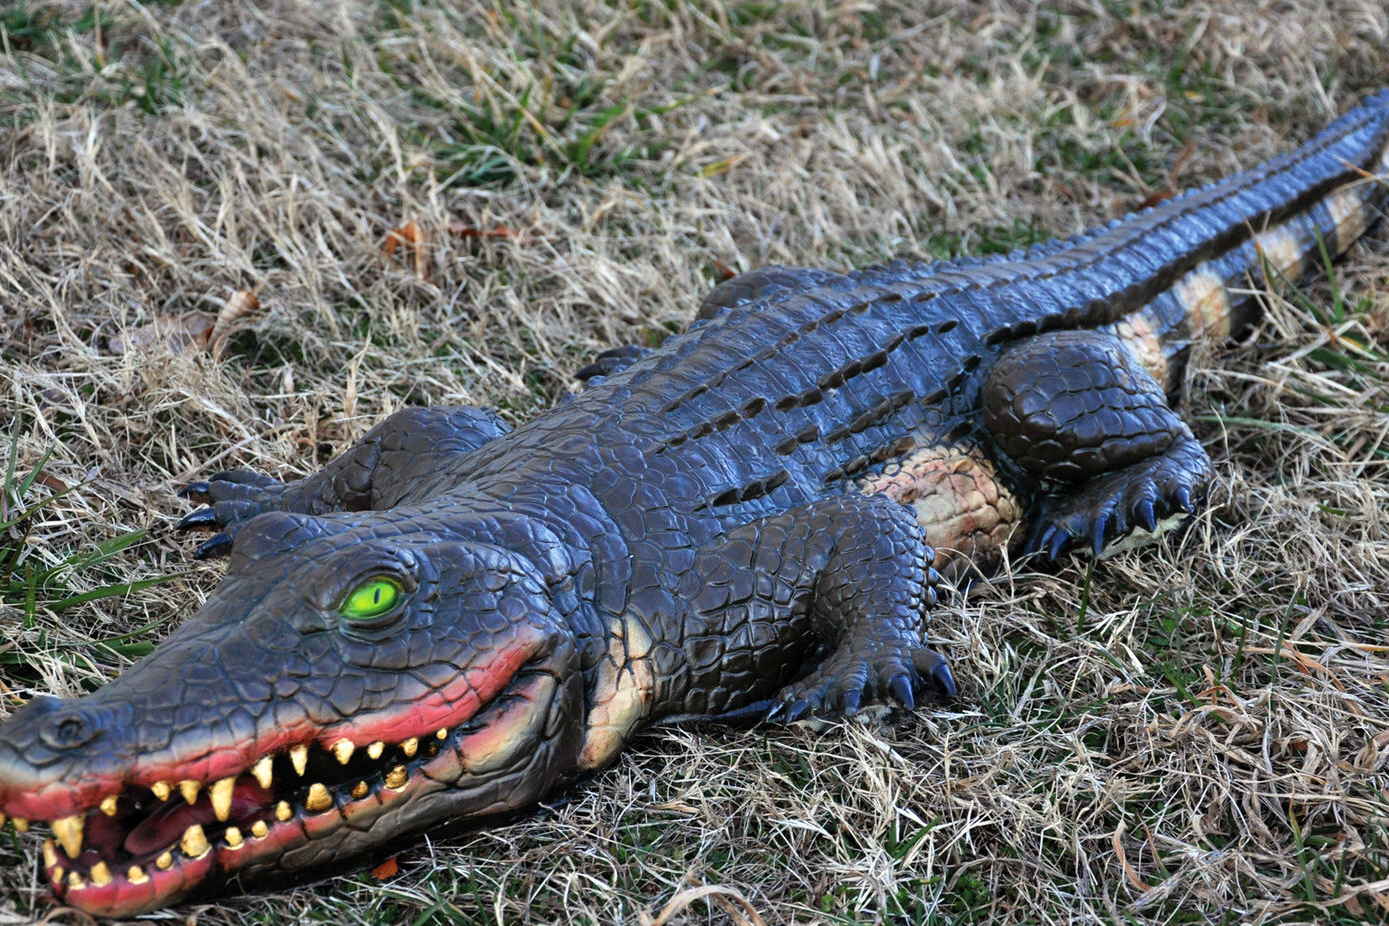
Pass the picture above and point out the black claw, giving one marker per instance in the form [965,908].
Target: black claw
[217,546]
[851,701]
[201,520]
[775,711]
[1057,543]
[198,491]
[1143,513]
[901,688]
[797,711]
[945,679]
[1097,536]
[1183,498]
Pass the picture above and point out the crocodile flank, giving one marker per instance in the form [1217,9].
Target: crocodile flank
[455,618]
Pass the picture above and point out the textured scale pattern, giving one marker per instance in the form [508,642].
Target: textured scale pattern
[751,521]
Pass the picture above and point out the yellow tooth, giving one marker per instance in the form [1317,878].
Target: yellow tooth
[261,770]
[233,837]
[409,746]
[75,882]
[374,750]
[283,812]
[299,755]
[101,875]
[443,733]
[396,777]
[58,874]
[161,790]
[136,875]
[165,861]
[259,829]
[3,818]
[343,750]
[221,794]
[69,833]
[108,805]
[50,854]
[21,825]
[318,800]
[360,790]
[189,789]
[194,843]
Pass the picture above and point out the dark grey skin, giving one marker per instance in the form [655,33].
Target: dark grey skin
[740,523]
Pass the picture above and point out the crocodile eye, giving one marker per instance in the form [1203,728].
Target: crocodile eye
[372,598]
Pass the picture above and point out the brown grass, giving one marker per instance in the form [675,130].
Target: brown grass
[1195,732]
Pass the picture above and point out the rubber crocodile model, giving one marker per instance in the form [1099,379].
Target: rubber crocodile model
[453,619]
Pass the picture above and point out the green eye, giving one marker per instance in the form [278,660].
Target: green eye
[372,598]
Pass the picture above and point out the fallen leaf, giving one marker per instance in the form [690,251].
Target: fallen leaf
[386,869]
[458,229]
[239,305]
[414,238]
[177,333]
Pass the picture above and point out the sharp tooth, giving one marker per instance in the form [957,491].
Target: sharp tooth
[3,818]
[221,794]
[194,843]
[262,771]
[233,837]
[443,733]
[343,750]
[69,833]
[283,811]
[360,790]
[101,875]
[299,755]
[374,750]
[259,829]
[165,861]
[161,790]
[21,825]
[396,777]
[50,854]
[318,800]
[409,746]
[75,881]
[108,805]
[136,875]
[189,789]
[58,874]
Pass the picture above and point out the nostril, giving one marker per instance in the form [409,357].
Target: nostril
[66,731]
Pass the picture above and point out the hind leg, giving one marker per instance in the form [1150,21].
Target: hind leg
[1076,413]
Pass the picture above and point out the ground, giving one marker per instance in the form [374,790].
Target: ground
[396,203]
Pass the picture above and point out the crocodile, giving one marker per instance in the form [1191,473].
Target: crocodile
[454,619]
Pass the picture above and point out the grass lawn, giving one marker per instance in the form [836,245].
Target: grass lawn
[239,233]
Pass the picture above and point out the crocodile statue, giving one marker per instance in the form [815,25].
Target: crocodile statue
[454,619]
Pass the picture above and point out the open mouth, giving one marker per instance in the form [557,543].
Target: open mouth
[158,839]
[146,847]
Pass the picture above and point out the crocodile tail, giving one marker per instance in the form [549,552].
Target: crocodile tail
[1271,223]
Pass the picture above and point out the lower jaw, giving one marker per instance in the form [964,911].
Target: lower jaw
[112,891]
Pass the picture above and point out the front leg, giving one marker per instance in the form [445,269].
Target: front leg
[373,474]
[849,575]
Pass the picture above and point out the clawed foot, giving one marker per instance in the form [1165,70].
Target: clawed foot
[1107,508]
[229,498]
[844,682]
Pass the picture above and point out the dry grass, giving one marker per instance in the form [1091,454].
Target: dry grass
[1196,732]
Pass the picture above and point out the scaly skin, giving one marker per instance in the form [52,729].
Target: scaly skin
[452,620]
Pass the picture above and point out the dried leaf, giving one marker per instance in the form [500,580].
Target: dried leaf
[387,869]
[241,304]
[177,333]
[459,230]
[413,238]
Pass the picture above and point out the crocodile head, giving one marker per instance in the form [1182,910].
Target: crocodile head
[343,687]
